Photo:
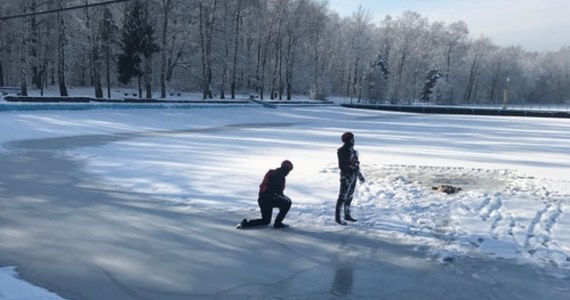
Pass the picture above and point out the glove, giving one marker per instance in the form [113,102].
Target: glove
[360,177]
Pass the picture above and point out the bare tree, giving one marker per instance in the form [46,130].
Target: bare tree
[265,32]
[477,52]
[61,43]
[361,45]
[315,43]
[167,6]
[108,37]
[409,30]
[34,45]
[236,45]
[226,45]
[207,13]
[280,14]
[295,29]
[455,37]
[94,50]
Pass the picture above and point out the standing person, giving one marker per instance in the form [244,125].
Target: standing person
[270,196]
[349,172]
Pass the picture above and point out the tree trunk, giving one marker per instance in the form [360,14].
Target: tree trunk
[139,79]
[96,71]
[61,54]
[448,62]
[471,81]
[355,78]
[224,73]
[97,83]
[163,60]
[288,67]
[53,71]
[47,50]
[206,29]
[262,77]
[264,54]
[396,92]
[203,49]
[223,83]
[475,90]
[1,75]
[236,48]
[274,87]
[495,82]
[258,89]
[289,78]
[24,56]
[33,47]
[280,76]
[89,65]
[316,83]
[95,56]
[348,85]
[148,76]
[226,51]
[108,70]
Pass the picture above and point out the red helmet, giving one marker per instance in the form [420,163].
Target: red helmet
[287,165]
[345,137]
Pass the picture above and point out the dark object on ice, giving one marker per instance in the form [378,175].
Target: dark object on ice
[448,189]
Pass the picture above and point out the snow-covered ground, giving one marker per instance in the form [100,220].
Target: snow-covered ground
[513,172]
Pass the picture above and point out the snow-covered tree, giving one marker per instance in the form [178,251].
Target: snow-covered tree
[441,92]
[280,47]
[375,80]
[297,26]
[361,47]
[316,47]
[432,77]
[409,29]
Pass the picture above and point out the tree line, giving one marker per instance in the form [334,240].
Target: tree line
[271,48]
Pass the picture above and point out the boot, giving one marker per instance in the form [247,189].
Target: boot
[348,217]
[280,225]
[339,221]
[337,216]
[242,224]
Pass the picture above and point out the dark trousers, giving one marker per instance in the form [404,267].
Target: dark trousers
[346,191]
[266,205]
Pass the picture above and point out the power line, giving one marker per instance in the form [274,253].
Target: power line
[61,9]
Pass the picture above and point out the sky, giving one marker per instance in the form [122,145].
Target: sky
[167,177]
[534,25]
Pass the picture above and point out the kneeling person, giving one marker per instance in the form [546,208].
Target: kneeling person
[270,196]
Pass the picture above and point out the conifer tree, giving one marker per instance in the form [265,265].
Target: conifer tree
[432,77]
[138,46]
[375,79]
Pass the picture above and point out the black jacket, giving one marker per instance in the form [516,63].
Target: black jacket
[348,160]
